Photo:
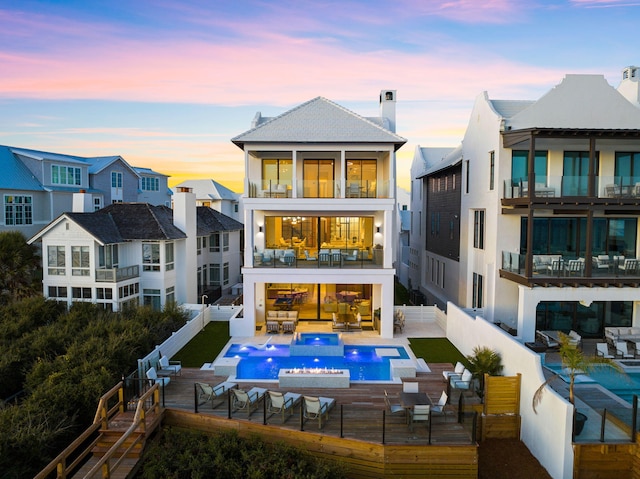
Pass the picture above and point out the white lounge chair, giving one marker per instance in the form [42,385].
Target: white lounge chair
[335,324]
[153,378]
[282,403]
[602,350]
[419,413]
[207,392]
[463,382]
[167,368]
[317,408]
[457,371]
[247,400]
[622,351]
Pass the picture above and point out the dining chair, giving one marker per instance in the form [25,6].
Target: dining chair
[419,413]
[410,387]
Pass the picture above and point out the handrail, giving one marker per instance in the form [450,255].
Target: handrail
[60,460]
[138,419]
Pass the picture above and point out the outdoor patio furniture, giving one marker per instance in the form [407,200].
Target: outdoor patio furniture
[629,266]
[288,327]
[357,325]
[602,350]
[335,324]
[273,327]
[282,403]
[393,408]
[575,339]
[168,368]
[463,382]
[419,413]
[317,408]
[622,351]
[153,378]
[602,262]
[410,387]
[247,400]
[575,267]
[308,257]
[556,268]
[439,408]
[207,393]
[457,371]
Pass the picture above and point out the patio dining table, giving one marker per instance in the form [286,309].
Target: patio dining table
[408,400]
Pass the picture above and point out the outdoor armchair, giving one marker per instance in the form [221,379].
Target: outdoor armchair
[317,408]
[247,400]
[207,392]
[282,403]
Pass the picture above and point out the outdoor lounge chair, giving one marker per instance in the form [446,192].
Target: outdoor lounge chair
[457,371]
[317,408]
[168,368]
[335,324]
[247,400]
[273,327]
[463,382]
[282,403]
[602,350]
[289,327]
[419,413]
[393,408]
[207,392]
[153,378]
[439,408]
[636,350]
[621,350]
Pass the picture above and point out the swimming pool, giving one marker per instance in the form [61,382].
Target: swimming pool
[624,385]
[365,363]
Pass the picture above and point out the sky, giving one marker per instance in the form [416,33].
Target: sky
[167,84]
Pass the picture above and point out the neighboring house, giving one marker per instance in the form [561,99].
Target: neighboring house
[319,206]
[125,253]
[212,194]
[37,186]
[403,228]
[549,195]
[220,246]
[153,188]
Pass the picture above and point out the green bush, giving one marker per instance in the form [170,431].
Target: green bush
[178,453]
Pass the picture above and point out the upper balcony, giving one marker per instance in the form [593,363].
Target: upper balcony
[115,275]
[619,190]
[320,189]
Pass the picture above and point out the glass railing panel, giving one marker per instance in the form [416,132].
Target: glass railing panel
[111,275]
[563,266]
[545,187]
[618,186]
[318,188]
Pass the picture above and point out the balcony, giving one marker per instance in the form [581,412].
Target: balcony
[320,188]
[115,275]
[556,269]
[324,258]
[548,188]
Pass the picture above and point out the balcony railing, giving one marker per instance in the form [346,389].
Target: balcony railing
[574,186]
[320,189]
[323,258]
[559,266]
[114,275]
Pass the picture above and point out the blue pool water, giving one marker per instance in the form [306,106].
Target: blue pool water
[624,385]
[362,361]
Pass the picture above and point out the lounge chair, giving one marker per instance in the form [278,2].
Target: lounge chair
[463,382]
[273,327]
[419,413]
[602,350]
[289,327]
[308,257]
[358,323]
[439,408]
[575,339]
[621,350]
[207,392]
[636,350]
[282,403]
[247,400]
[167,368]
[457,371]
[335,324]
[410,387]
[153,378]
[393,408]
[317,408]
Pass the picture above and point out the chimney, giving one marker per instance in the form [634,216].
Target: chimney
[388,108]
[630,85]
[82,202]
[184,218]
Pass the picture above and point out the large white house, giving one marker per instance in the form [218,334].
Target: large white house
[319,203]
[533,219]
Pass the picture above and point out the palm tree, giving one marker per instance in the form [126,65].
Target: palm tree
[484,361]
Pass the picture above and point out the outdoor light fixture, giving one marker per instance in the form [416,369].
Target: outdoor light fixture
[260,229]
[377,229]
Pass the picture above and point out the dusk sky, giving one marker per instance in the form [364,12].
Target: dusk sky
[167,84]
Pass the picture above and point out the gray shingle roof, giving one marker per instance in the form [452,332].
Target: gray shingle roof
[212,221]
[16,176]
[319,121]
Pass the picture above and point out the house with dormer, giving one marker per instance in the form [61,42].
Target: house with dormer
[319,214]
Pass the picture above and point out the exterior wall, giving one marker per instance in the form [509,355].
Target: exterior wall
[233,257]
[130,183]
[160,197]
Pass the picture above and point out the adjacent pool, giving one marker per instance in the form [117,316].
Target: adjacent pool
[365,363]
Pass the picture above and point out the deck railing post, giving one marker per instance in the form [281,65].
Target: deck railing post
[229,404]
[602,424]
[264,409]
[430,416]
[195,398]
[473,430]
[302,417]
[341,421]
[634,419]
[384,423]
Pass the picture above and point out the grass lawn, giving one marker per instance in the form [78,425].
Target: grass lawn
[205,346]
[436,350]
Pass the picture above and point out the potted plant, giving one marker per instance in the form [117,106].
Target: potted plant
[377,254]
[574,362]
[483,361]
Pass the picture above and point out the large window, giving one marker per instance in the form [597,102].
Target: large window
[116,179]
[478,291]
[276,172]
[478,229]
[214,275]
[80,293]
[492,169]
[627,168]
[168,259]
[18,210]
[108,256]
[149,184]
[575,174]
[318,178]
[520,167]
[151,297]
[56,260]
[80,261]
[66,175]
[219,242]
[361,178]
[150,256]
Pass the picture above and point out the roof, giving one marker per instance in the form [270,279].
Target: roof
[15,175]
[45,155]
[147,171]
[212,221]
[209,189]
[318,121]
[452,158]
[508,108]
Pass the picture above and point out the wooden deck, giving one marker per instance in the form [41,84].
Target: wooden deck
[358,413]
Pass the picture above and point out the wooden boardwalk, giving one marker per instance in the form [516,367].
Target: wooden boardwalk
[358,413]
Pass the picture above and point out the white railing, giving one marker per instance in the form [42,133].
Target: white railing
[546,433]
